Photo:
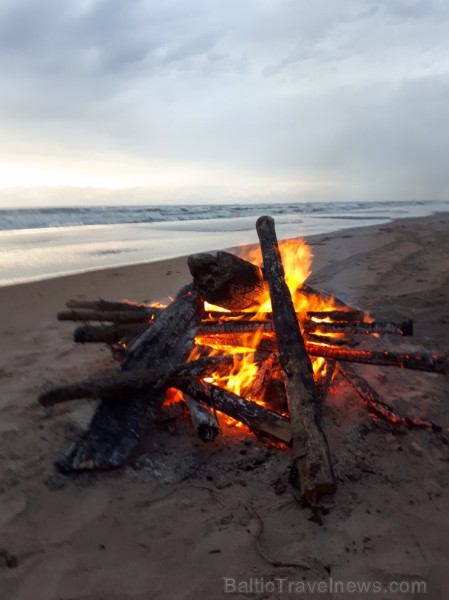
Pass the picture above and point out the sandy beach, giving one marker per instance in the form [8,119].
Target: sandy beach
[188,514]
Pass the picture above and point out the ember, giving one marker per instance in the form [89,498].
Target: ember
[241,346]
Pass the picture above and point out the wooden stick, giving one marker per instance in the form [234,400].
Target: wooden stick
[111,316]
[231,282]
[101,304]
[311,460]
[417,361]
[264,374]
[324,382]
[119,383]
[337,315]
[226,280]
[203,419]
[106,334]
[120,421]
[256,417]
[405,328]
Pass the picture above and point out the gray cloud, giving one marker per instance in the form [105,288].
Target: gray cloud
[330,99]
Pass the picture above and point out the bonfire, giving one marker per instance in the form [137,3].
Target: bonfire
[248,344]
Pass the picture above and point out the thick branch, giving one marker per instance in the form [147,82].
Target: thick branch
[120,383]
[107,316]
[203,419]
[226,280]
[311,460]
[433,363]
[253,415]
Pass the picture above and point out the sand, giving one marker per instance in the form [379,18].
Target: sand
[186,514]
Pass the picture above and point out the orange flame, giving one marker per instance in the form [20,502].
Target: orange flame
[297,260]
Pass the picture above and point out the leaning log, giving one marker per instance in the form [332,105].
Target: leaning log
[120,421]
[261,420]
[311,463]
[123,382]
[203,419]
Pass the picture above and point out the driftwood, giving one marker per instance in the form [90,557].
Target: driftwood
[337,315]
[256,417]
[203,418]
[117,384]
[226,280]
[311,460]
[405,328]
[101,304]
[120,421]
[264,376]
[107,334]
[111,316]
[417,361]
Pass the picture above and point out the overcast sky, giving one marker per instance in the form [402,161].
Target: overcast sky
[210,100]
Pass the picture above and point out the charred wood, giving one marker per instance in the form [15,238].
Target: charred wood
[101,304]
[311,460]
[256,417]
[405,328]
[264,376]
[226,280]
[120,421]
[107,334]
[107,316]
[119,383]
[433,363]
[203,419]
[337,315]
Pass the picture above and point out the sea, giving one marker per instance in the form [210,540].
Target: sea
[41,243]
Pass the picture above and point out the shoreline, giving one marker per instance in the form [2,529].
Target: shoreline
[128,534]
[167,275]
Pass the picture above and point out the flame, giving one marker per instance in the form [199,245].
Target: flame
[172,396]
[297,260]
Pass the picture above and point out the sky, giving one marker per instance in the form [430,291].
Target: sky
[145,101]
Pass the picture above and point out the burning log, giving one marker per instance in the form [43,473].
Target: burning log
[433,363]
[354,328]
[337,315]
[323,383]
[256,417]
[264,376]
[311,459]
[405,328]
[117,384]
[120,421]
[377,406]
[203,419]
[226,280]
